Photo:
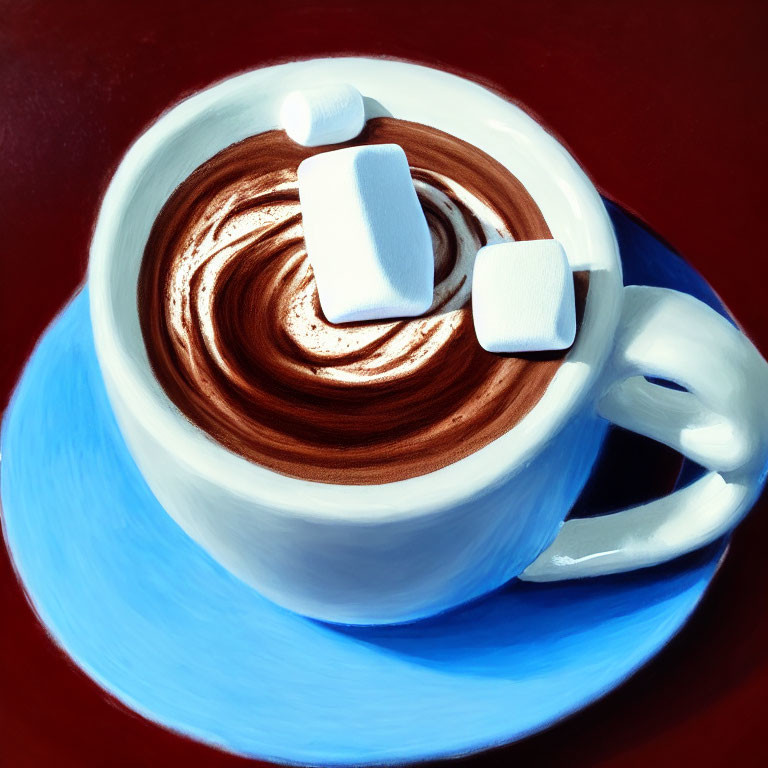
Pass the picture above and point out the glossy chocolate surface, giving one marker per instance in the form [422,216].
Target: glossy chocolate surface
[235,334]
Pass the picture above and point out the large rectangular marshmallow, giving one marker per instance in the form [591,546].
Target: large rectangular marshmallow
[523,297]
[366,235]
[327,114]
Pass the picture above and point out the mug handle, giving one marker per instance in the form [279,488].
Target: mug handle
[720,422]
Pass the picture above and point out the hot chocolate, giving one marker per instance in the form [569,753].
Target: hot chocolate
[235,334]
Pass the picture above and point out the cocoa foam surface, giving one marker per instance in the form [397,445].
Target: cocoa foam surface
[236,337]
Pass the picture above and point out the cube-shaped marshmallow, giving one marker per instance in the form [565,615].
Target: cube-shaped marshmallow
[328,114]
[366,235]
[523,297]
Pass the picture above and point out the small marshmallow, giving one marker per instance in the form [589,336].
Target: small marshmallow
[327,115]
[522,297]
[366,235]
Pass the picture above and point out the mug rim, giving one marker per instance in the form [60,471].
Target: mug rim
[549,173]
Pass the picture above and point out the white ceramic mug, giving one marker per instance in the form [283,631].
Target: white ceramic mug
[408,549]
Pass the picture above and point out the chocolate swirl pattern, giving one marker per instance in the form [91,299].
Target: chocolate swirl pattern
[236,336]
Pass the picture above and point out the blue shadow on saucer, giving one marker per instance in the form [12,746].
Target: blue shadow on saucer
[161,626]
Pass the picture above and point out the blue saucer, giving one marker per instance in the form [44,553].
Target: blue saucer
[161,626]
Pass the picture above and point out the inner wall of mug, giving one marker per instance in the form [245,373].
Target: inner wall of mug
[200,127]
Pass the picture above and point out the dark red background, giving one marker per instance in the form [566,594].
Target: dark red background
[665,105]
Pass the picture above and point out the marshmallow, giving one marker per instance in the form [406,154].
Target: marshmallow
[522,297]
[367,238]
[326,115]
